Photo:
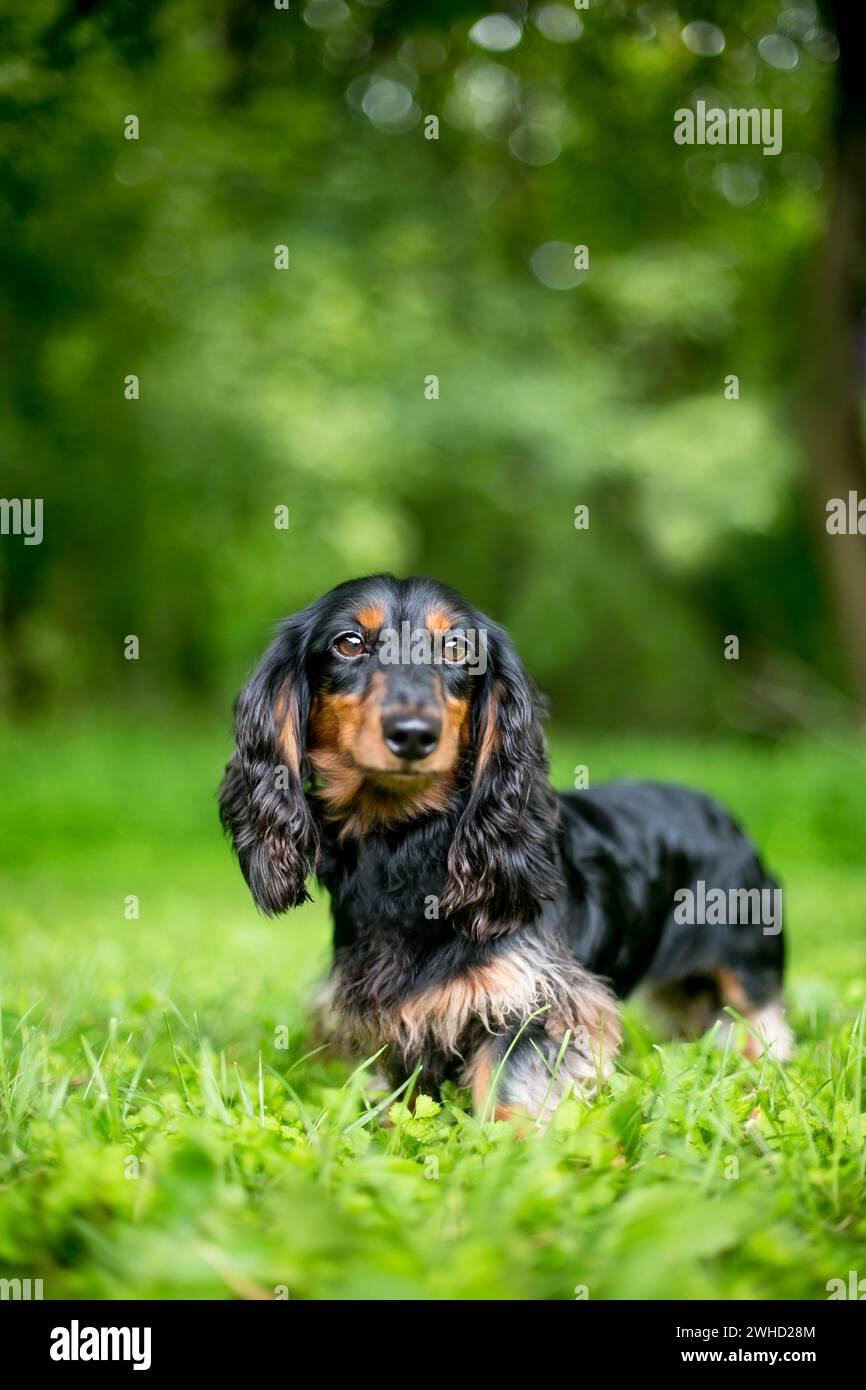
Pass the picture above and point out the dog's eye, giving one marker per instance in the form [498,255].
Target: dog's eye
[349,645]
[455,648]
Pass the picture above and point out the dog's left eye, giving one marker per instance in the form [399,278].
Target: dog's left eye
[455,649]
[349,645]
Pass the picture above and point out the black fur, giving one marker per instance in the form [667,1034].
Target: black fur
[592,873]
[501,857]
[268,815]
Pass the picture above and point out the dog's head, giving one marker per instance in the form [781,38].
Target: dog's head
[391,700]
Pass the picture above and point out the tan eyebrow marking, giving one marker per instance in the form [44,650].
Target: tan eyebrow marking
[371,617]
[438,621]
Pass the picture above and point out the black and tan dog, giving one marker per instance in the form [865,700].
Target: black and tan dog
[390,743]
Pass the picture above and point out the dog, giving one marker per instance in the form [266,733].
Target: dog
[486,927]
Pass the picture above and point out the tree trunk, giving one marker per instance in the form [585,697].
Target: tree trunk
[835,352]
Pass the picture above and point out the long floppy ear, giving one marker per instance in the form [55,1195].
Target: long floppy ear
[262,802]
[502,861]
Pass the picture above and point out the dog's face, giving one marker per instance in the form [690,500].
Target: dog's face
[389,700]
[393,670]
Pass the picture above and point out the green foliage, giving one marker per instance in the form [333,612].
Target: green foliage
[304,388]
[262,1168]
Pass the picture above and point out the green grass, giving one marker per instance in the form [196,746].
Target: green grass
[257,1168]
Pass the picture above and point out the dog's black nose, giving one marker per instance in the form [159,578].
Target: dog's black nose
[411,736]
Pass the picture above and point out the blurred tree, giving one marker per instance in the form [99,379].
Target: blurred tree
[410,256]
[834,410]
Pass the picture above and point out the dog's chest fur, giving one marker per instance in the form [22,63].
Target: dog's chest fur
[391,943]
[405,978]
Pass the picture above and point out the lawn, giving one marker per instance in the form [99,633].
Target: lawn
[163,1133]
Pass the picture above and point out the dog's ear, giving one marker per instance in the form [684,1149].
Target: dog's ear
[262,802]
[502,861]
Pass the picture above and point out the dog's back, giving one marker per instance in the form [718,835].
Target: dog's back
[666,891]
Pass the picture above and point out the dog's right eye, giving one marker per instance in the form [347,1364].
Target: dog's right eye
[349,645]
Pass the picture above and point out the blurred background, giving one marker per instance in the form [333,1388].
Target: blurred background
[141,993]
[409,257]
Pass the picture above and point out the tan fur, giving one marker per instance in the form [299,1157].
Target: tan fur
[439,621]
[363,784]
[489,737]
[362,806]
[532,1085]
[527,976]
[372,617]
[285,722]
[478,1076]
[768,1030]
[731,990]
[478,1072]
[455,725]
[690,1016]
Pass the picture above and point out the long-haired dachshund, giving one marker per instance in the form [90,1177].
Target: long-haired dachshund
[484,925]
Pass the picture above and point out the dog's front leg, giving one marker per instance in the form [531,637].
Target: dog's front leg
[524,1073]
